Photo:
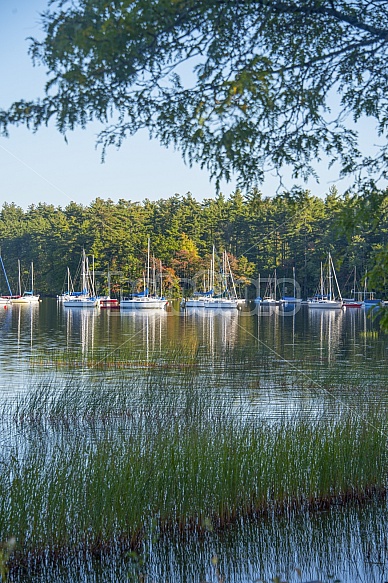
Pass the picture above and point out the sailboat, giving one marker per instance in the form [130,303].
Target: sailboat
[5,299]
[326,299]
[199,298]
[144,300]
[369,300]
[227,298]
[353,302]
[258,299]
[291,299]
[270,297]
[86,297]
[107,301]
[28,297]
[68,290]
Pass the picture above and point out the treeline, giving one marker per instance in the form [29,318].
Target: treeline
[291,230]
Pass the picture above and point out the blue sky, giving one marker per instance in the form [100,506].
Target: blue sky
[41,167]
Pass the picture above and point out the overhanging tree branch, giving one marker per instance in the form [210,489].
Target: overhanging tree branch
[237,86]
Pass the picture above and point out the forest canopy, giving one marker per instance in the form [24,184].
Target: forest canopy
[293,230]
[238,86]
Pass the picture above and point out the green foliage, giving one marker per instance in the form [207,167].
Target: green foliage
[239,88]
[291,230]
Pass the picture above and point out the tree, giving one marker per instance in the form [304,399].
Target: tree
[239,86]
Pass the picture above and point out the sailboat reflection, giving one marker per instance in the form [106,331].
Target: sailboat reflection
[328,325]
[26,316]
[215,327]
[80,329]
[144,333]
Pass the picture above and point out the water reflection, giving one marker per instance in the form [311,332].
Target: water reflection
[215,328]
[270,362]
[268,358]
[328,326]
[80,328]
[143,328]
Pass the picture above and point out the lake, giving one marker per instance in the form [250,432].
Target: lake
[259,362]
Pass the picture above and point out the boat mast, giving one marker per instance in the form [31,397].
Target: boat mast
[275,285]
[330,277]
[19,279]
[148,264]
[293,277]
[335,279]
[212,268]
[93,280]
[224,274]
[5,275]
[85,268]
[231,275]
[153,276]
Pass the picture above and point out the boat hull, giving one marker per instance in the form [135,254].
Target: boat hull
[81,303]
[290,300]
[146,303]
[269,302]
[30,299]
[111,303]
[221,303]
[325,304]
[195,303]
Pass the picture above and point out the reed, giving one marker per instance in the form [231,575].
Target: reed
[95,469]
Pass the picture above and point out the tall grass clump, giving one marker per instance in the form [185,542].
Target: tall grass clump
[96,469]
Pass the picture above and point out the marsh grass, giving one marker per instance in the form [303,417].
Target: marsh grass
[97,468]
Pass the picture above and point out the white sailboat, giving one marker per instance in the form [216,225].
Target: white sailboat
[353,302]
[228,296]
[28,297]
[86,297]
[270,298]
[143,300]
[199,298]
[327,300]
[291,299]
[68,290]
[5,299]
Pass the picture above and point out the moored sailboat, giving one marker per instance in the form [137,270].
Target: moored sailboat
[326,299]
[269,298]
[144,300]
[28,296]
[227,296]
[291,299]
[5,299]
[199,298]
[86,297]
[352,302]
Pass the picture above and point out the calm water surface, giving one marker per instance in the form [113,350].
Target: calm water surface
[267,358]
[265,361]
